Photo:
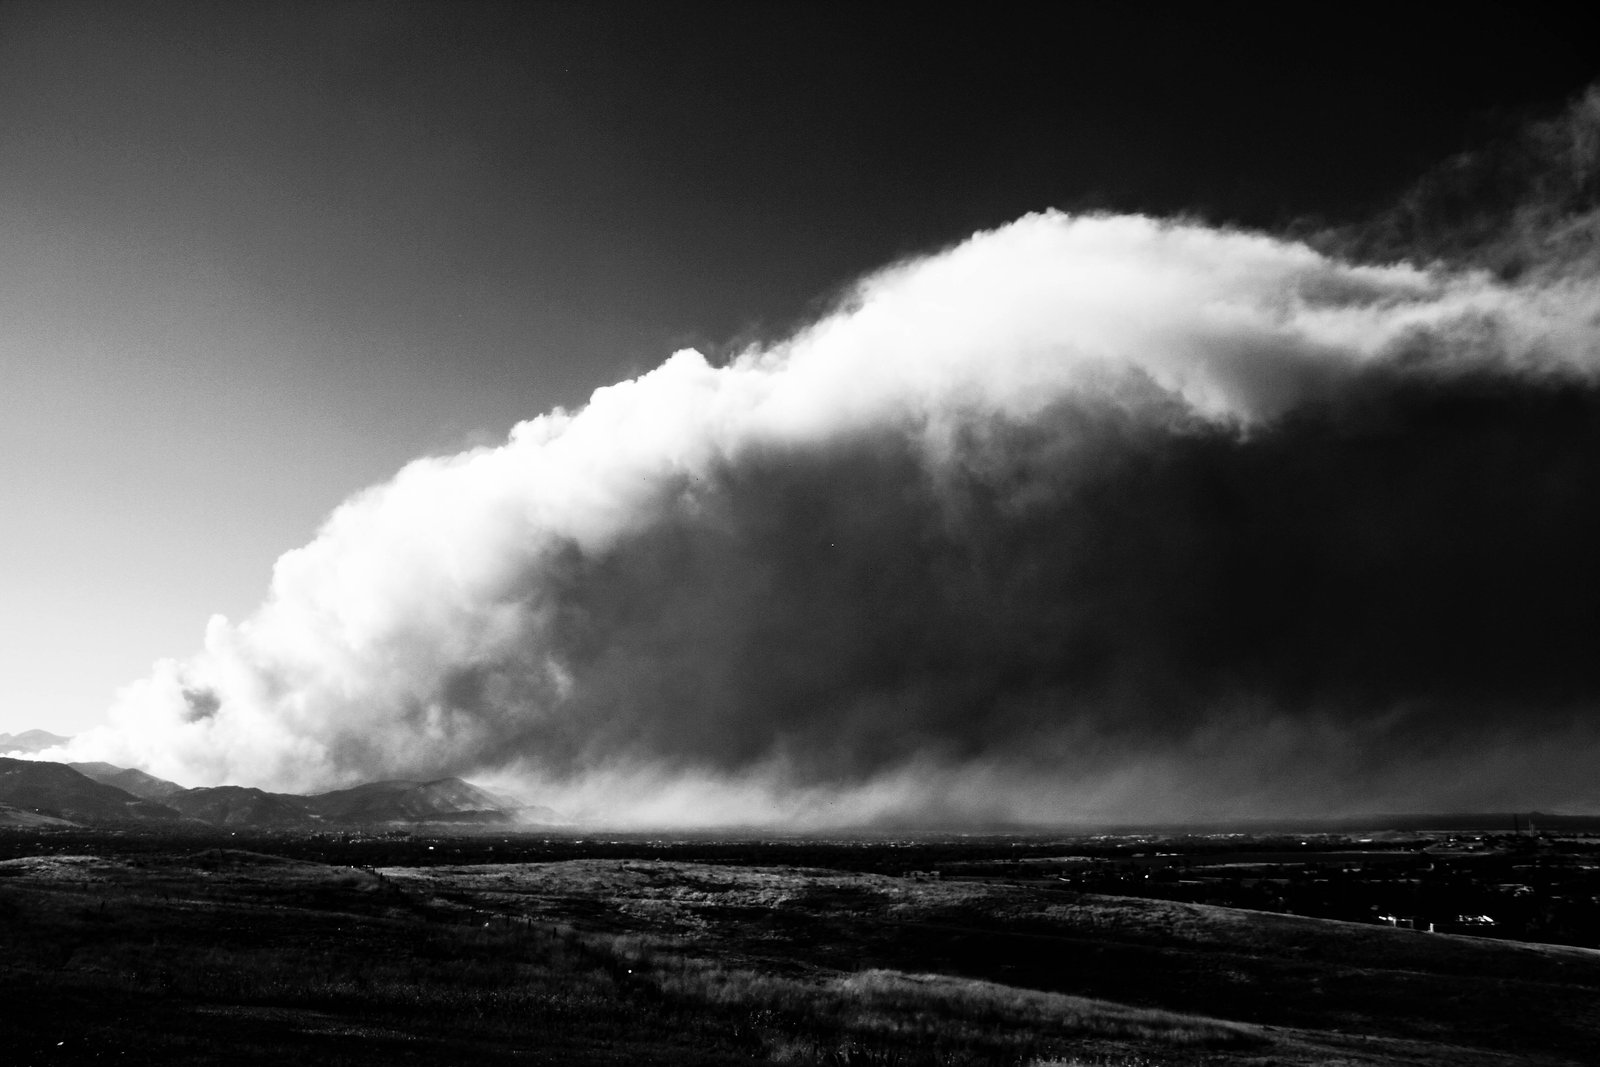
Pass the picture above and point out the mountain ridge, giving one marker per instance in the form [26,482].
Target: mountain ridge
[98,793]
[130,779]
[58,791]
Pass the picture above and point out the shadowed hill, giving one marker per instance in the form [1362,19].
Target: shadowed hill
[233,805]
[448,799]
[57,790]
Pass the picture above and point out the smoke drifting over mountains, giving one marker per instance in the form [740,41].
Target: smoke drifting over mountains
[1083,518]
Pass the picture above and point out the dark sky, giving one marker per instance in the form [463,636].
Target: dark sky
[256,257]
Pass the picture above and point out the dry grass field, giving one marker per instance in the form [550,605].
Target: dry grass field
[180,958]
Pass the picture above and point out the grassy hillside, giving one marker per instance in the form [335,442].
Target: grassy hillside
[164,959]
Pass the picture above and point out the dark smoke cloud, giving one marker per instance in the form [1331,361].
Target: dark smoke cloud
[1412,563]
[1084,518]
[1526,204]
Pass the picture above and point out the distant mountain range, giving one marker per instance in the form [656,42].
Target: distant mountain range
[40,793]
[55,790]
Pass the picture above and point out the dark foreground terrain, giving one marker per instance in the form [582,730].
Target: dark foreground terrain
[136,948]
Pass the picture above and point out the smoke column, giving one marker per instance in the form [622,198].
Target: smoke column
[1085,517]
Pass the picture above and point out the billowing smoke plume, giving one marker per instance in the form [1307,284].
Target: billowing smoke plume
[1083,518]
[1527,205]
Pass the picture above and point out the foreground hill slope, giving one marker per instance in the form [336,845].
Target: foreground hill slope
[1358,993]
[164,958]
[24,817]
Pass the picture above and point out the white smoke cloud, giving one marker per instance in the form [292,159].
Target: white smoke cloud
[425,630]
